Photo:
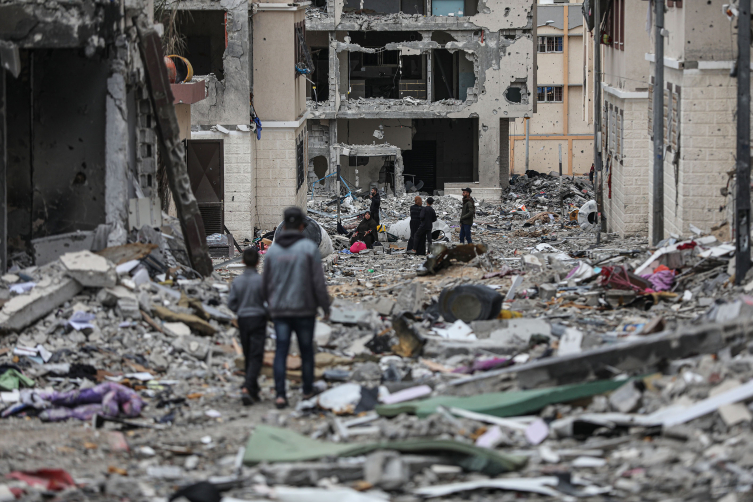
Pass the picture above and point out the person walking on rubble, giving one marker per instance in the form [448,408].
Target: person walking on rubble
[376,202]
[294,287]
[423,234]
[366,231]
[415,222]
[247,302]
[466,216]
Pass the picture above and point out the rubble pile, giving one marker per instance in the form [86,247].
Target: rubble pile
[532,362]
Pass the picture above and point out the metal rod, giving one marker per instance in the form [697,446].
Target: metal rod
[597,109]
[742,212]
[657,231]
[527,119]
[338,192]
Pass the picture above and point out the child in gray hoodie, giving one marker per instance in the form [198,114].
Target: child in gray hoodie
[247,301]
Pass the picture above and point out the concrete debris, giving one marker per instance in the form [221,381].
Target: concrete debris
[676,425]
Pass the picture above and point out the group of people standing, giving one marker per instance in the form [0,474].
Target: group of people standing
[423,217]
[290,291]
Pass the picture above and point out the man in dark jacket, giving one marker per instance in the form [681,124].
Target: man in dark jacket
[247,301]
[415,222]
[376,202]
[294,287]
[466,216]
[366,231]
[423,235]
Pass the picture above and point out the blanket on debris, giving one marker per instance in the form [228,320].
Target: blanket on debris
[107,399]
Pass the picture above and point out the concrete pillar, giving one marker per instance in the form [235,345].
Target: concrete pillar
[116,153]
[489,173]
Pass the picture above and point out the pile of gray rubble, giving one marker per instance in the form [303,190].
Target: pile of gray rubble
[534,363]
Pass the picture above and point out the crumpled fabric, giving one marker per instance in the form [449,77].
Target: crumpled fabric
[108,399]
[12,379]
[661,280]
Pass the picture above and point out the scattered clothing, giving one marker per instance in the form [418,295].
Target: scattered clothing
[13,379]
[107,399]
[357,247]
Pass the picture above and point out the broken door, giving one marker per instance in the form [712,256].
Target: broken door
[204,159]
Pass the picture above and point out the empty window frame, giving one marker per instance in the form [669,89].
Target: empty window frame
[550,44]
[550,94]
[204,38]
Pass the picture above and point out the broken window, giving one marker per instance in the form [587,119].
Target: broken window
[550,94]
[452,75]
[204,38]
[550,44]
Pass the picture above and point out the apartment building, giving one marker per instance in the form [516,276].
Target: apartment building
[418,91]
[560,127]
[700,103]
[699,113]
[624,112]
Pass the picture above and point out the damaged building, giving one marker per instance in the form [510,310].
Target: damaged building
[437,82]
[85,106]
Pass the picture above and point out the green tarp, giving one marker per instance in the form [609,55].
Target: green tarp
[503,404]
[274,444]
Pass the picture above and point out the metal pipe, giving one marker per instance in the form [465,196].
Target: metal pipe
[742,206]
[597,109]
[657,231]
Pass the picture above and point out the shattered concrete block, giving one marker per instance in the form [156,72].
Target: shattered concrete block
[735,413]
[385,469]
[627,398]
[128,307]
[176,329]
[48,294]
[547,292]
[410,299]
[192,345]
[383,306]
[91,270]
[109,296]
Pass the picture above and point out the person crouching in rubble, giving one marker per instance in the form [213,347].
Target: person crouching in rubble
[423,234]
[415,222]
[294,287]
[247,302]
[466,216]
[366,231]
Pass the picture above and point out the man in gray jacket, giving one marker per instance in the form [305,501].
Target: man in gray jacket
[294,287]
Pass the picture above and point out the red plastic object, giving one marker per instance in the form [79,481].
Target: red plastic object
[49,479]
[172,73]
[357,246]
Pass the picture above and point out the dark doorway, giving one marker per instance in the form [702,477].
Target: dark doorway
[454,151]
[204,159]
[204,38]
[421,161]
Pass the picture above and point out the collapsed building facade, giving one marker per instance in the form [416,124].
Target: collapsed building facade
[85,105]
[438,80]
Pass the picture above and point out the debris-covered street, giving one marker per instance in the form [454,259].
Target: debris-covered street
[530,362]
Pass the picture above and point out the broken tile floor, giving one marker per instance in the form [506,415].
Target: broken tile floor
[605,372]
